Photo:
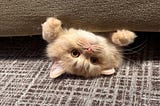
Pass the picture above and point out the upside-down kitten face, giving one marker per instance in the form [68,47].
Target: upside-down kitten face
[83,53]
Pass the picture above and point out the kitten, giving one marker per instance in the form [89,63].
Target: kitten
[83,53]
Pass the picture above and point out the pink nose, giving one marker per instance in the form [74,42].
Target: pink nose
[89,50]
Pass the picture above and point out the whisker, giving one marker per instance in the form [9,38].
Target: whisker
[125,58]
[80,43]
[136,51]
[132,70]
[143,43]
[135,63]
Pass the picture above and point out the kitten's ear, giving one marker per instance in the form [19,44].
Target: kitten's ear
[108,72]
[51,29]
[56,70]
[123,37]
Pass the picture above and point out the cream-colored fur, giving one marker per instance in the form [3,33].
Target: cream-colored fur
[83,53]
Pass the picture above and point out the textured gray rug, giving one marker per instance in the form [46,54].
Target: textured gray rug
[24,77]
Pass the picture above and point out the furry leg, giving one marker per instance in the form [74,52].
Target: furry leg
[123,37]
[51,29]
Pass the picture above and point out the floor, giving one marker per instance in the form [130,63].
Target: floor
[24,77]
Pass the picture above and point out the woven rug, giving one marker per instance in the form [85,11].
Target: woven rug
[24,77]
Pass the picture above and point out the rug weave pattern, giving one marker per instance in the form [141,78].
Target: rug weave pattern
[24,78]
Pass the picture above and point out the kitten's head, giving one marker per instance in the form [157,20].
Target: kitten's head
[83,53]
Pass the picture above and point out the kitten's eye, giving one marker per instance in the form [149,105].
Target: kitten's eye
[94,60]
[75,53]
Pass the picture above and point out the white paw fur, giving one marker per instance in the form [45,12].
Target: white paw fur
[123,37]
[51,29]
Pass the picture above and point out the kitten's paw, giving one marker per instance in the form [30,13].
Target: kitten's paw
[53,22]
[123,37]
[51,28]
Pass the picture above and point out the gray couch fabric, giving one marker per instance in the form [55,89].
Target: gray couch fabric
[24,17]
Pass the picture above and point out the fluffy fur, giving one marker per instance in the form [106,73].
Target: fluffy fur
[83,53]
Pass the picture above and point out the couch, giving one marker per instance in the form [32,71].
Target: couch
[24,17]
